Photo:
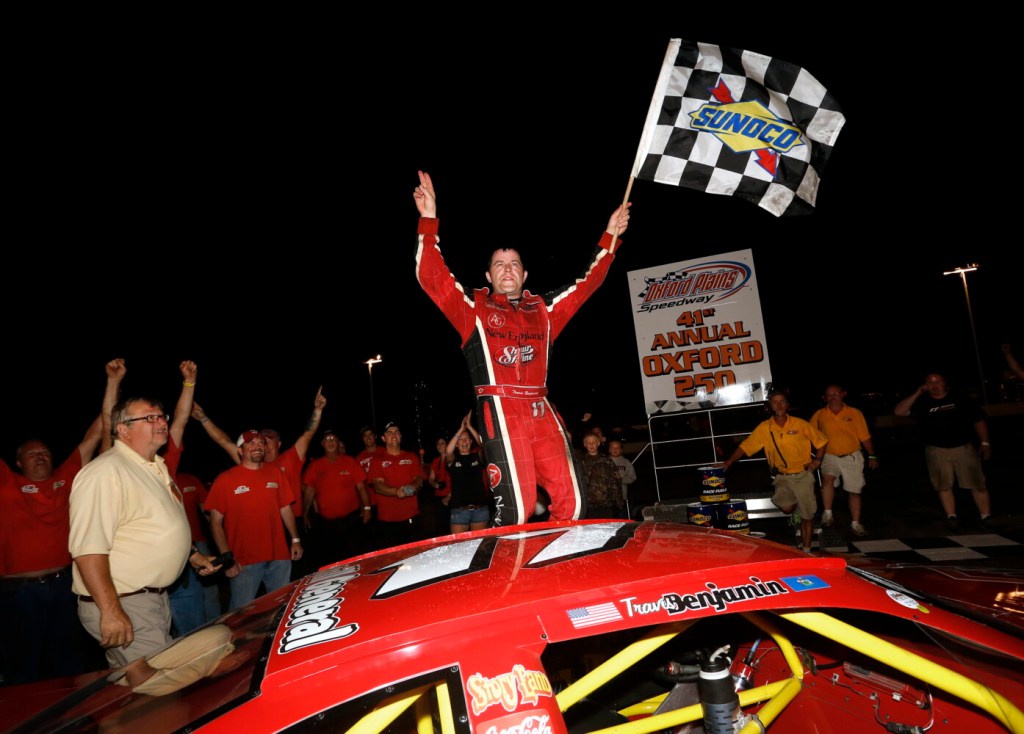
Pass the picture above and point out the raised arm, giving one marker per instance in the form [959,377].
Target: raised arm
[423,195]
[468,423]
[618,223]
[449,451]
[91,440]
[903,407]
[183,409]
[303,441]
[116,371]
[453,442]
[216,433]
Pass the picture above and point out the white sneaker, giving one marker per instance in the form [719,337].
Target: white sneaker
[826,519]
[857,529]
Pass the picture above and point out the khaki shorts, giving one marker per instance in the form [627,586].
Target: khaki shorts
[959,462]
[796,489]
[849,470]
[151,623]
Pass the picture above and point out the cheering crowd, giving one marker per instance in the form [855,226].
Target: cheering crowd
[112,553]
[118,549]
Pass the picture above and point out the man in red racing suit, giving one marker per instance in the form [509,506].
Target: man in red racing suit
[506,338]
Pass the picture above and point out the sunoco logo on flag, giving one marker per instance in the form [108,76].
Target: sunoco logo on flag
[721,120]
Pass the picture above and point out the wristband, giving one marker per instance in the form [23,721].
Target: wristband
[188,384]
[204,420]
[985,443]
[296,540]
[367,507]
[872,456]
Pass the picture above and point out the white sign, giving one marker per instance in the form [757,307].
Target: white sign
[699,333]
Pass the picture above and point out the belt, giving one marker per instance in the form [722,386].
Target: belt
[512,391]
[469,507]
[791,473]
[143,590]
[14,582]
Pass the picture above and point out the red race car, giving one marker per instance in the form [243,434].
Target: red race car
[547,628]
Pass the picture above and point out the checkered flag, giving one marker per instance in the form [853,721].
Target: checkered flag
[733,122]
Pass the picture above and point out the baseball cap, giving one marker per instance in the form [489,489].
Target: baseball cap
[248,436]
[390,424]
[329,432]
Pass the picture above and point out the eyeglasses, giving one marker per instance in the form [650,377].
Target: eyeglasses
[154,418]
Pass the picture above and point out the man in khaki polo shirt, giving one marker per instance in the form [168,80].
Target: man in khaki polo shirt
[130,537]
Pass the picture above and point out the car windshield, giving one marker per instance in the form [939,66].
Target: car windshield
[213,668]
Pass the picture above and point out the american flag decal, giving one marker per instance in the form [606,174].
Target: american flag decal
[589,616]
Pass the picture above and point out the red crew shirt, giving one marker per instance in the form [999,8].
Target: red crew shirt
[251,502]
[334,483]
[396,470]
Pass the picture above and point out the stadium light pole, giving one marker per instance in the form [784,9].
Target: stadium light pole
[962,272]
[369,366]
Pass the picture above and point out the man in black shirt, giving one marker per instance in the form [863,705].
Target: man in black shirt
[949,425]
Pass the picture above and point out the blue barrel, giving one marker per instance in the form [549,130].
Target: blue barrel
[702,513]
[732,515]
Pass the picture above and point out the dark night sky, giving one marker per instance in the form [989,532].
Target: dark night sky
[242,196]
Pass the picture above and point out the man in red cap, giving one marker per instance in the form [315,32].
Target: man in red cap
[288,462]
[247,505]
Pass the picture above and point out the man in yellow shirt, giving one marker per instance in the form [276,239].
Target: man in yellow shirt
[787,442]
[847,433]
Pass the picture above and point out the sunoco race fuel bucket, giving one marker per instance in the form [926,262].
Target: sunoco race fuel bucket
[702,513]
[732,515]
[713,484]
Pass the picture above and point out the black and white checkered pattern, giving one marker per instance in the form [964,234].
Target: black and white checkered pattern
[697,74]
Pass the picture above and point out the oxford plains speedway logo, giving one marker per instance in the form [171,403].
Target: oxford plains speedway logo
[699,284]
[746,127]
